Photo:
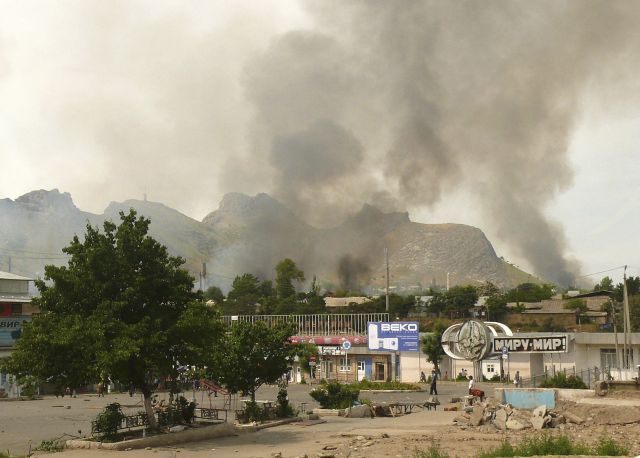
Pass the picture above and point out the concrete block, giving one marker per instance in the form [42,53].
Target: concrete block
[515,425]
[540,411]
[528,398]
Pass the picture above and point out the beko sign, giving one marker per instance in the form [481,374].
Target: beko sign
[399,327]
[393,336]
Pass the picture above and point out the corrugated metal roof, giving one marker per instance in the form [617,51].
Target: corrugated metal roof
[10,276]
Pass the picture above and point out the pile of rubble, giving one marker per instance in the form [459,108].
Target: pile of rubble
[505,417]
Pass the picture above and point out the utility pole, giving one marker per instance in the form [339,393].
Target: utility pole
[615,333]
[9,263]
[386,260]
[627,321]
[448,281]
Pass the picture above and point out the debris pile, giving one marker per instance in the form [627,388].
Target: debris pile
[494,415]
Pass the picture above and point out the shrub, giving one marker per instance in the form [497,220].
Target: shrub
[52,445]
[283,408]
[108,421]
[28,386]
[334,395]
[365,384]
[561,380]
[253,412]
[186,410]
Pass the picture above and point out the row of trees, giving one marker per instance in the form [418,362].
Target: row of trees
[124,309]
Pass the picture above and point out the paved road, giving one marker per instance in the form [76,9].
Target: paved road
[27,423]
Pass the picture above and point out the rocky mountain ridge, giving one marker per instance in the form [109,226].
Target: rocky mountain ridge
[252,233]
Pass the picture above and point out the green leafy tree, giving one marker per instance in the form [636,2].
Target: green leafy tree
[254,354]
[530,292]
[606,284]
[497,307]
[122,306]
[213,293]
[286,273]
[244,296]
[432,344]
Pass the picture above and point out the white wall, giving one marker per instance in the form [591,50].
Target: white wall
[411,363]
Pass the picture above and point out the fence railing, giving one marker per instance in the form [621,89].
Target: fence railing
[589,376]
[318,325]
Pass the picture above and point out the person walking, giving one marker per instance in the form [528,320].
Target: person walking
[434,379]
[423,378]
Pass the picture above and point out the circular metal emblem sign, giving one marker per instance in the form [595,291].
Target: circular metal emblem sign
[473,341]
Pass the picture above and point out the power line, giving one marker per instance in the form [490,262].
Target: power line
[601,272]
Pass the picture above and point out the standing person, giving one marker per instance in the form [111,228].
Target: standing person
[517,380]
[472,384]
[434,379]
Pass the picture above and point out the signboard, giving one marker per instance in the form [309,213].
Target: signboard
[330,350]
[394,336]
[553,344]
[346,345]
[11,329]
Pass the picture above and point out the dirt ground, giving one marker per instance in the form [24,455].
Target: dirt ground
[339,437]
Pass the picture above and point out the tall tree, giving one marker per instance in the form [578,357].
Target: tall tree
[122,306]
[432,344]
[254,354]
[286,273]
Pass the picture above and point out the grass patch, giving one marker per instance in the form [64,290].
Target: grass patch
[546,444]
[434,451]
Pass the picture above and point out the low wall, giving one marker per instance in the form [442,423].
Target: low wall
[527,398]
[189,435]
[565,394]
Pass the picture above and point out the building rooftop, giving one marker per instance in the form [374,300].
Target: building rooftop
[11,276]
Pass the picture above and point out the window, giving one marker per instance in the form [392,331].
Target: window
[491,367]
[608,357]
[345,365]
[16,309]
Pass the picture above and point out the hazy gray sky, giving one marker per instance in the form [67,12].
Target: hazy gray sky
[522,120]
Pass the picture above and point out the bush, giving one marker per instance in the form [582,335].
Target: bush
[334,395]
[108,421]
[561,380]
[253,412]
[52,445]
[283,408]
[186,410]
[28,386]
[365,384]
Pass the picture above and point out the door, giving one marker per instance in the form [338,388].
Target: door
[360,374]
[380,372]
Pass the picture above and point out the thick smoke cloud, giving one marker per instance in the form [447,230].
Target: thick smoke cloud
[352,271]
[441,95]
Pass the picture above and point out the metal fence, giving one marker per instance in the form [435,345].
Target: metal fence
[589,376]
[318,325]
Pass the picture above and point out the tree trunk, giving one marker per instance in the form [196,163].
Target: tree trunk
[153,424]
[253,396]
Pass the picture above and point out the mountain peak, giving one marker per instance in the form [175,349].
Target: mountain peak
[236,209]
[43,200]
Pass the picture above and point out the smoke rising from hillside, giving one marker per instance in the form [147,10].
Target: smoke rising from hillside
[441,95]
[395,104]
